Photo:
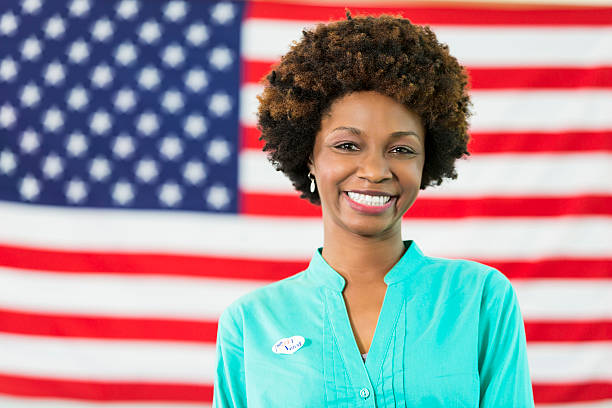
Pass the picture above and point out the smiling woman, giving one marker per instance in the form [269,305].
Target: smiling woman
[361,115]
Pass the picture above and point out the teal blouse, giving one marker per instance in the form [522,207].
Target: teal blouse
[449,334]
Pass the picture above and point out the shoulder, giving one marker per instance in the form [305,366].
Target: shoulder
[466,270]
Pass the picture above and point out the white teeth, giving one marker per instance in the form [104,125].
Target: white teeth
[369,199]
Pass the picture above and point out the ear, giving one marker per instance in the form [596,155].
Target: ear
[311,165]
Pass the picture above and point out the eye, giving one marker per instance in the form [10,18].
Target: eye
[347,146]
[402,150]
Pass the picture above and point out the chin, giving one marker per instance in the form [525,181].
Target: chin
[370,228]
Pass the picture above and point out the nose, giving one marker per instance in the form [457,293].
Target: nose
[374,167]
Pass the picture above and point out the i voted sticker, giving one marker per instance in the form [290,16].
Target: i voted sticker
[288,345]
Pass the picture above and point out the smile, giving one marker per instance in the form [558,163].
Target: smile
[371,200]
[368,203]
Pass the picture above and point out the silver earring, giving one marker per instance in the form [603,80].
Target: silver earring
[312,182]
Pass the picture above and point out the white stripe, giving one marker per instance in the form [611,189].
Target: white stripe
[267,40]
[585,404]
[16,402]
[507,110]
[116,295]
[65,358]
[205,299]
[568,362]
[107,360]
[564,299]
[482,175]
[292,238]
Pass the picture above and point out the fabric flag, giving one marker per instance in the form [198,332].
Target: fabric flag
[136,204]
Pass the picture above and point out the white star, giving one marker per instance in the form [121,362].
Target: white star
[217,197]
[102,30]
[30,95]
[149,77]
[126,53]
[173,55]
[99,168]
[54,74]
[147,123]
[76,145]
[29,141]
[55,27]
[172,101]
[146,170]
[150,32]
[221,58]
[8,116]
[125,100]
[79,8]
[29,188]
[30,49]
[197,34]
[53,120]
[128,9]
[78,98]
[195,125]
[8,69]
[170,194]
[8,162]
[196,79]
[79,51]
[220,104]
[8,23]
[100,122]
[123,192]
[175,10]
[194,172]
[76,190]
[52,166]
[218,151]
[223,13]
[123,147]
[101,76]
[171,147]
[30,6]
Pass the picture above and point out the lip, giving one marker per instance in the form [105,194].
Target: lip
[371,192]
[369,209]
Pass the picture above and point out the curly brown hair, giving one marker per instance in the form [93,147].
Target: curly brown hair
[387,54]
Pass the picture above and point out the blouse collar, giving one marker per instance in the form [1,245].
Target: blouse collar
[320,271]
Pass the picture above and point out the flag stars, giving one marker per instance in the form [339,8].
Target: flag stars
[171,147]
[79,8]
[146,170]
[31,49]
[218,151]
[8,162]
[78,98]
[197,34]
[123,146]
[8,69]
[221,58]
[52,166]
[172,101]
[125,100]
[99,169]
[220,104]
[195,125]
[8,116]
[79,52]
[8,23]
[122,193]
[76,191]
[217,197]
[194,172]
[53,119]
[176,10]
[30,95]
[150,32]
[149,78]
[126,54]
[102,30]
[55,27]
[147,123]
[223,13]
[31,6]
[29,142]
[128,9]
[54,74]
[100,122]
[29,188]
[101,76]
[196,79]
[76,145]
[173,55]
[170,194]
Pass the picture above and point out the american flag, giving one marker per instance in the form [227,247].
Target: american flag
[136,204]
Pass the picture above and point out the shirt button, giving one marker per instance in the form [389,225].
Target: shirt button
[364,393]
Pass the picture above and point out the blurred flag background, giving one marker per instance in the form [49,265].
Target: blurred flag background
[136,204]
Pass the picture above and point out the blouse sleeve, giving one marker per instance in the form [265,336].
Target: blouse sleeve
[502,348]
[229,388]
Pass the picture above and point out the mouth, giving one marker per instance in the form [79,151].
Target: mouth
[371,202]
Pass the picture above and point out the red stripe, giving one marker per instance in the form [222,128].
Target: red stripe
[571,392]
[47,260]
[293,206]
[103,327]
[503,142]
[498,78]
[90,390]
[440,14]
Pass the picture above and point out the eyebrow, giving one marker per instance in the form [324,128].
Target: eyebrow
[358,132]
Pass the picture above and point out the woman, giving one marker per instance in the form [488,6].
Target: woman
[361,114]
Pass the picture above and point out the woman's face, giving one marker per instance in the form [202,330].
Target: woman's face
[367,161]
